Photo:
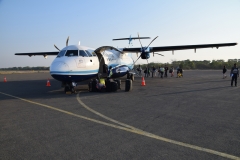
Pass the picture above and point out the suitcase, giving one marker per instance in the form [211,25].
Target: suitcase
[128,85]
[94,83]
[108,86]
[114,86]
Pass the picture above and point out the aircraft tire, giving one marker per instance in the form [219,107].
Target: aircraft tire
[94,88]
[66,89]
[118,82]
[90,86]
[128,85]
[132,77]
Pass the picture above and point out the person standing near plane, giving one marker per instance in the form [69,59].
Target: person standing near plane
[171,71]
[153,71]
[235,74]
[162,71]
[146,71]
[140,70]
[166,69]
[110,72]
[224,72]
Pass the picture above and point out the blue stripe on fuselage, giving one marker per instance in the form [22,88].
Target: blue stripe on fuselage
[73,78]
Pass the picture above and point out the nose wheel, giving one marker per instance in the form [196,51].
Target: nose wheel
[70,88]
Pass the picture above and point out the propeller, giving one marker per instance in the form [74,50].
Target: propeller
[66,44]
[56,47]
[143,49]
[67,41]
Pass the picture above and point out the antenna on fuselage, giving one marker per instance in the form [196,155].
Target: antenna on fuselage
[79,43]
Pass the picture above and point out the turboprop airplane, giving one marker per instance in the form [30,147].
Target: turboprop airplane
[76,63]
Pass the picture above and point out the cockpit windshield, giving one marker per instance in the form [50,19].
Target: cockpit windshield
[83,53]
[61,53]
[71,53]
[89,54]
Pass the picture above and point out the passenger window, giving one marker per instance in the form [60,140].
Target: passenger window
[82,53]
[61,53]
[71,53]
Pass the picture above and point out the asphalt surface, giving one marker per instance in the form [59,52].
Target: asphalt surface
[194,117]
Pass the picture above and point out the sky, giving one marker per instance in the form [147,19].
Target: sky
[35,26]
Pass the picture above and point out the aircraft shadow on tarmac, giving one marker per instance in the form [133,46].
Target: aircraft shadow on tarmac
[37,89]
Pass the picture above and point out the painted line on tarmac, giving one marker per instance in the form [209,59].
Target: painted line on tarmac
[103,116]
[143,133]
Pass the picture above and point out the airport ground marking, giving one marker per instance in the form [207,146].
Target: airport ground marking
[103,116]
[139,132]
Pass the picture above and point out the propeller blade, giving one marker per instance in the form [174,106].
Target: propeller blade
[151,42]
[136,60]
[140,41]
[67,41]
[56,47]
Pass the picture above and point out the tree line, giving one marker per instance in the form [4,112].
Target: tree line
[27,68]
[187,64]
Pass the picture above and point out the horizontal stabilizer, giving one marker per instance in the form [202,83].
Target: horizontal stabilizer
[131,38]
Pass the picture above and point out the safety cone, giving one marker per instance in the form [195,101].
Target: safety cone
[5,79]
[48,83]
[143,82]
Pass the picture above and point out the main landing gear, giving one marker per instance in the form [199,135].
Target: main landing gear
[130,76]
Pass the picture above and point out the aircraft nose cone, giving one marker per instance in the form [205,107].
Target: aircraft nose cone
[59,66]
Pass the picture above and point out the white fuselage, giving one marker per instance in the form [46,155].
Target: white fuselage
[77,63]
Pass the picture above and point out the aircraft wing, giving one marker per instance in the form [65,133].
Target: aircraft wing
[173,48]
[37,54]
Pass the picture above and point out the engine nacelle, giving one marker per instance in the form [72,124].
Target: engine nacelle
[119,71]
[145,55]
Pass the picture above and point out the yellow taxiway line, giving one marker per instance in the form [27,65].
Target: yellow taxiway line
[139,132]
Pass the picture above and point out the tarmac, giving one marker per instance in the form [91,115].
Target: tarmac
[194,117]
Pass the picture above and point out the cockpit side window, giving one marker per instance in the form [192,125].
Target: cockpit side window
[82,53]
[89,54]
[71,53]
[61,53]
[92,52]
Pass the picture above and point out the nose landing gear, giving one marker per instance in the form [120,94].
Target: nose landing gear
[70,87]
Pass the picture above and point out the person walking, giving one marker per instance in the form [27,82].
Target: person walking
[234,74]
[224,72]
